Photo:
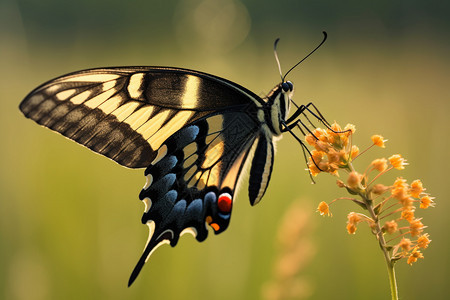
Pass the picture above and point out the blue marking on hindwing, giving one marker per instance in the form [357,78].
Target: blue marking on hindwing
[171,197]
[210,198]
[224,216]
[164,184]
[194,209]
[185,136]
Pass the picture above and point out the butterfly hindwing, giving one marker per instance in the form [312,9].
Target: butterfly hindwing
[261,169]
[127,113]
[193,180]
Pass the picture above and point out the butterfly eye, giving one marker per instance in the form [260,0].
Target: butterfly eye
[291,86]
[287,86]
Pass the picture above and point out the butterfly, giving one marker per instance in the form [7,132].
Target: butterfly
[193,133]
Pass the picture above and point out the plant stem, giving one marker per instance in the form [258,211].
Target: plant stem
[382,243]
[392,281]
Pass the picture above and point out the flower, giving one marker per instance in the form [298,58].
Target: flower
[354,180]
[323,209]
[405,244]
[321,146]
[354,151]
[397,161]
[408,215]
[390,227]
[400,192]
[313,169]
[380,164]
[340,183]
[310,139]
[400,183]
[423,241]
[378,140]
[350,128]
[320,133]
[335,129]
[352,220]
[416,227]
[426,201]
[379,189]
[416,188]
[317,156]
[351,228]
[415,254]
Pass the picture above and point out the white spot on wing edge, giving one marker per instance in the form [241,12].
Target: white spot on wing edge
[151,226]
[148,181]
[147,203]
[190,230]
[162,151]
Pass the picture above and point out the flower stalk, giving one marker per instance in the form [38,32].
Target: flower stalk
[334,152]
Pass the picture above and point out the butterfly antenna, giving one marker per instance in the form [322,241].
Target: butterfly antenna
[321,43]
[276,58]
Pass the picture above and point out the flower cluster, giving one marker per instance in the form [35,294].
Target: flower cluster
[391,208]
[332,149]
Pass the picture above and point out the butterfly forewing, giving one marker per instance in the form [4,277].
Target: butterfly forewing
[127,113]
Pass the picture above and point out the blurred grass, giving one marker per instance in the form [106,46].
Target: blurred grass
[70,220]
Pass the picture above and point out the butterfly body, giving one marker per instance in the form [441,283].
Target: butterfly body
[192,131]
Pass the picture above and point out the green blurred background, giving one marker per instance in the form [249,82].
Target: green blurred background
[70,219]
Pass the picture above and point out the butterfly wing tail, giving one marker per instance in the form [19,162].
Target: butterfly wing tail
[155,240]
[137,269]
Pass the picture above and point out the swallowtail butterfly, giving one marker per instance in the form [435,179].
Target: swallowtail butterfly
[192,131]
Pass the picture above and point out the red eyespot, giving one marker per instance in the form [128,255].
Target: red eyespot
[225,202]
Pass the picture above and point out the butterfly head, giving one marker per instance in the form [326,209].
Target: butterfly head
[287,87]
[278,105]
[286,93]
